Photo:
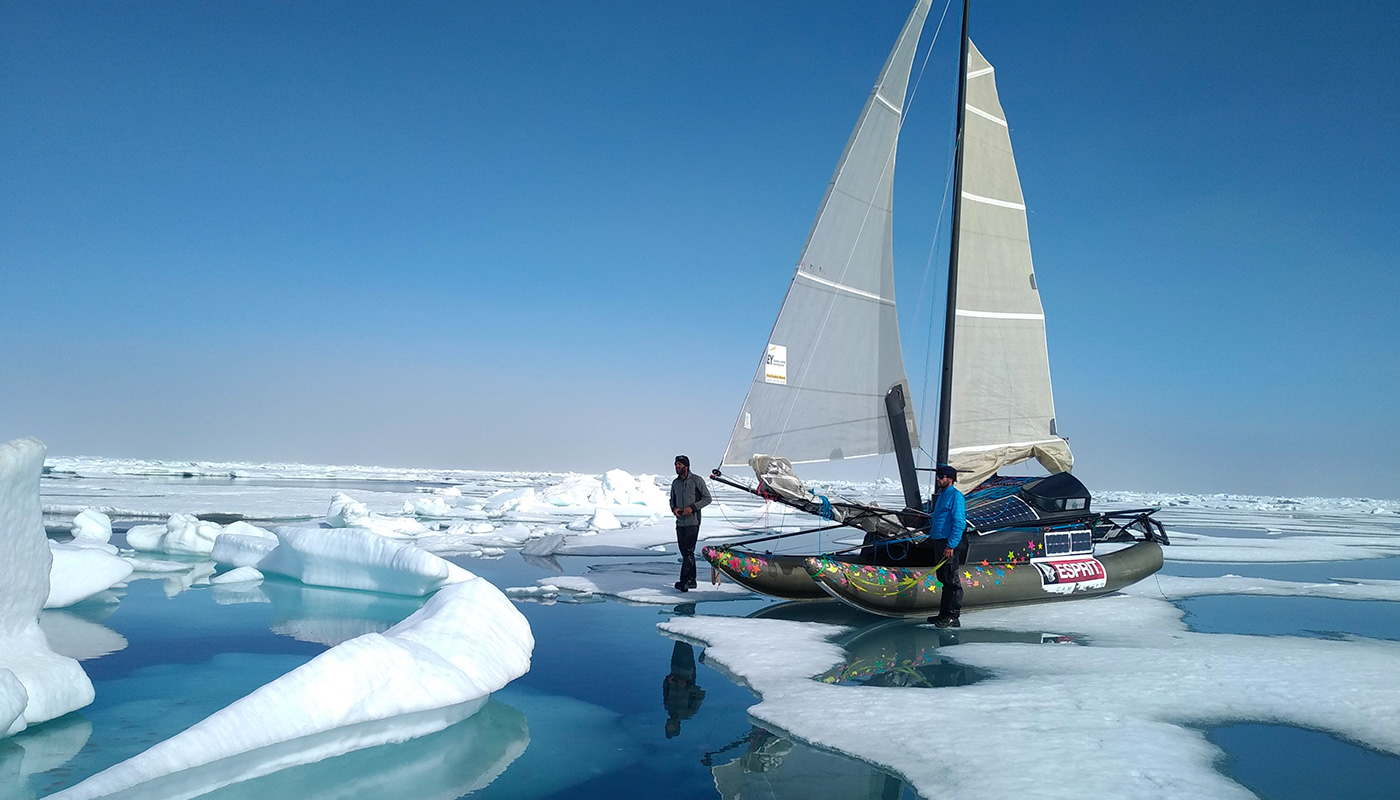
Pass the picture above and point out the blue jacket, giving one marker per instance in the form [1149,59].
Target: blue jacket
[949,517]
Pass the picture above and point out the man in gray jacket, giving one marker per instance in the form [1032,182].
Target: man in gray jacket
[689,494]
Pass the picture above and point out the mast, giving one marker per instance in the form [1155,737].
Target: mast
[945,390]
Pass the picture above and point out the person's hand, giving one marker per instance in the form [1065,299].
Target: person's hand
[689,510]
[947,552]
[676,511]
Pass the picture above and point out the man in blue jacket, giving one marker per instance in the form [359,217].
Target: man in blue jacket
[946,523]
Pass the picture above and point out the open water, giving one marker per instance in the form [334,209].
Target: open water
[611,708]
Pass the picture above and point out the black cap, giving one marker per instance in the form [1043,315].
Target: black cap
[683,460]
[946,471]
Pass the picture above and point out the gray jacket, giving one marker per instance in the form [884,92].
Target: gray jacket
[689,491]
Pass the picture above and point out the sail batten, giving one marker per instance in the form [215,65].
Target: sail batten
[834,352]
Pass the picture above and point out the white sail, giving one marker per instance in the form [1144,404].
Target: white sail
[1002,409]
[834,352]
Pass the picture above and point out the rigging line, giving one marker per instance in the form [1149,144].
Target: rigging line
[869,205]
[923,291]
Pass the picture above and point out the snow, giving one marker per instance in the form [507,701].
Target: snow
[1096,713]
[354,558]
[36,684]
[237,550]
[1191,547]
[1176,587]
[92,528]
[1122,713]
[81,572]
[422,675]
[651,583]
[186,535]
[346,512]
[235,576]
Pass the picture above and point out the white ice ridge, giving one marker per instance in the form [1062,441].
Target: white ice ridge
[80,572]
[618,492]
[347,512]
[36,684]
[429,671]
[1119,718]
[342,558]
[186,535]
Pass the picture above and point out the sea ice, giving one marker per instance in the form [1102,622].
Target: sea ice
[651,583]
[36,684]
[237,575]
[354,558]
[1122,716]
[1177,587]
[237,550]
[422,675]
[79,572]
[346,512]
[92,528]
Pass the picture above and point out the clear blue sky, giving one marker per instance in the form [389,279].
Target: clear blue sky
[555,235]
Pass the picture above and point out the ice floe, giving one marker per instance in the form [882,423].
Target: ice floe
[1176,587]
[187,535]
[81,572]
[422,675]
[237,575]
[92,528]
[651,583]
[1220,549]
[36,684]
[1121,717]
[346,512]
[353,558]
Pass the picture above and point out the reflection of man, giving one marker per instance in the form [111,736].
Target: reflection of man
[688,495]
[679,693]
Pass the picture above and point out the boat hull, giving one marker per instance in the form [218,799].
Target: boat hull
[914,591]
[782,576]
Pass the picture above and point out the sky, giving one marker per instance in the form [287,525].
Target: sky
[555,235]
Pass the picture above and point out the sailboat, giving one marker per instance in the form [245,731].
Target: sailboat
[831,385]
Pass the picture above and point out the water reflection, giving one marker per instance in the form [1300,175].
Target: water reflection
[772,767]
[78,632]
[38,750]
[903,653]
[463,758]
[679,694]
[331,616]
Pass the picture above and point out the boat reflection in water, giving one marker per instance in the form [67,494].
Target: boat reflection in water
[901,653]
[772,767]
[888,653]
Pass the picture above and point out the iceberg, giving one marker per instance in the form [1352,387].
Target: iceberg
[424,674]
[36,684]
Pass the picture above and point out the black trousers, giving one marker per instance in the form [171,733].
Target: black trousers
[685,539]
[950,604]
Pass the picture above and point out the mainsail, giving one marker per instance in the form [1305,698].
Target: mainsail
[818,393]
[1002,408]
